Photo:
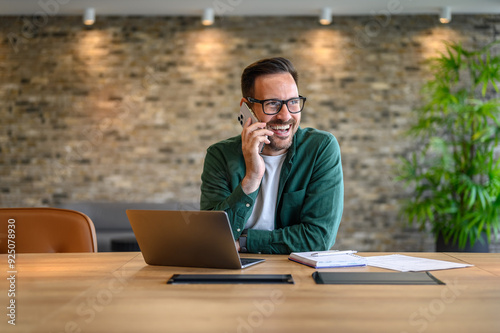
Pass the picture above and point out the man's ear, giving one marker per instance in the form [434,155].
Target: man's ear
[243,100]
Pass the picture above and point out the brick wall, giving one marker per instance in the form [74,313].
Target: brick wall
[125,110]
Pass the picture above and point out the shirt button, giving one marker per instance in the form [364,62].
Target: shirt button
[248,205]
[238,229]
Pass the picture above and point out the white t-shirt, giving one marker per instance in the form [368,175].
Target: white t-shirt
[264,209]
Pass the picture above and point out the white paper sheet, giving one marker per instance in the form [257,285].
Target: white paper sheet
[403,263]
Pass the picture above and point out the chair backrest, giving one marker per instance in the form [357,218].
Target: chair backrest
[45,230]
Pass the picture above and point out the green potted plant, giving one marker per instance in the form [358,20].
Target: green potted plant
[454,171]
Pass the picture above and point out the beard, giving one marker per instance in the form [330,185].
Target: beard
[282,143]
[277,144]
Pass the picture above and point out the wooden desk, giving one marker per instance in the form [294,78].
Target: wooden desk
[118,292]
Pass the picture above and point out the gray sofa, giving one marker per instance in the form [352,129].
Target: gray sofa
[113,229]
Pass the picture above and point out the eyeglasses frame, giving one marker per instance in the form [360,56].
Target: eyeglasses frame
[283,102]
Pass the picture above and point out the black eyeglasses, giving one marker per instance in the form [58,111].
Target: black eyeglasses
[273,106]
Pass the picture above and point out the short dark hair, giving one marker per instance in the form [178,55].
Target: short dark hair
[266,66]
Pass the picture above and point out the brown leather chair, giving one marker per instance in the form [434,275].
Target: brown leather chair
[46,230]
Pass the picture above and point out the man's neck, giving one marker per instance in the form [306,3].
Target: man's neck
[273,152]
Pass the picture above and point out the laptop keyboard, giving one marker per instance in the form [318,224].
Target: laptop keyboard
[246,261]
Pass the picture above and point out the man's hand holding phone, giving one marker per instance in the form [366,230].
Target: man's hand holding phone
[253,136]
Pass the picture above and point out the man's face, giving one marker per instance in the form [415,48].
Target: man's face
[284,124]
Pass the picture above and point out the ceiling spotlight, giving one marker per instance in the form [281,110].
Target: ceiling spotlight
[326,16]
[89,16]
[445,16]
[208,17]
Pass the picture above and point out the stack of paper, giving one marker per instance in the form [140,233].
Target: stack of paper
[402,263]
[328,259]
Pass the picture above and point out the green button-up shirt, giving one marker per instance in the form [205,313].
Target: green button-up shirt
[310,195]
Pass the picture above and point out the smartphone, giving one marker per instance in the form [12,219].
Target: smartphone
[245,113]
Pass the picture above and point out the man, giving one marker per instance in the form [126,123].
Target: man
[289,196]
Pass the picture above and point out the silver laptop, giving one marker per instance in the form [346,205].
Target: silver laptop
[187,238]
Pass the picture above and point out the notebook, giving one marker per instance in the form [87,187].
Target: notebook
[187,238]
[327,259]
